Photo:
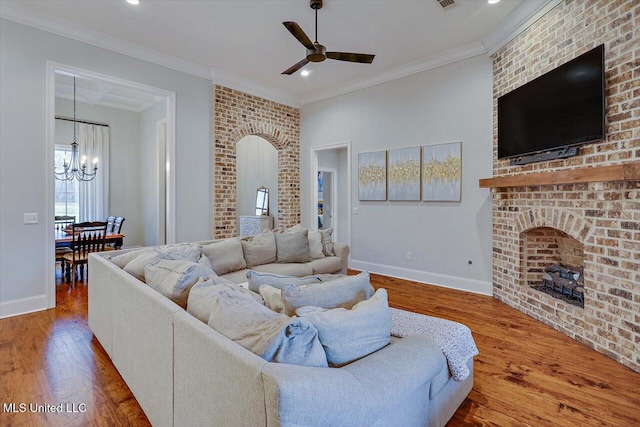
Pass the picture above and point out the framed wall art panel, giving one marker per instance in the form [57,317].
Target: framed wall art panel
[404,174]
[372,175]
[442,172]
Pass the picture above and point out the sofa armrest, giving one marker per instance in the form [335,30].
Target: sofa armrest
[342,250]
[357,394]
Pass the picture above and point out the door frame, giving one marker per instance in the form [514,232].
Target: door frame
[313,185]
[50,108]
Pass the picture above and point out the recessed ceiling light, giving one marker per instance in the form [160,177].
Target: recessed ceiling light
[304,73]
[133,1]
[493,1]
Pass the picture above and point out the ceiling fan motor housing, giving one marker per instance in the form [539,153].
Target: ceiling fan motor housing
[315,4]
[317,55]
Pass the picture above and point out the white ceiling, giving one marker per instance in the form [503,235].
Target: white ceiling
[243,42]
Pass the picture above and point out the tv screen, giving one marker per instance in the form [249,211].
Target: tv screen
[561,108]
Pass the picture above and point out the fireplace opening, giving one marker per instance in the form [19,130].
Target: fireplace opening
[554,264]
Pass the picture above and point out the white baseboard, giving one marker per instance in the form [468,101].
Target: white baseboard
[451,282]
[23,306]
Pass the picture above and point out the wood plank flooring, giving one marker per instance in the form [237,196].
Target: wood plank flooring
[527,374]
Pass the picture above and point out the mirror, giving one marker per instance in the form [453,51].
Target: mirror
[262,201]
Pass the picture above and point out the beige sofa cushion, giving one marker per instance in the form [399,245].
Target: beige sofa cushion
[293,246]
[272,336]
[260,249]
[123,259]
[136,266]
[327,243]
[348,335]
[326,265]
[343,292]
[174,278]
[225,256]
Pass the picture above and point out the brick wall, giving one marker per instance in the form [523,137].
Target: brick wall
[236,115]
[604,217]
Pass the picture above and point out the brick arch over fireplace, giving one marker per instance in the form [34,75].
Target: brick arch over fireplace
[573,225]
[236,115]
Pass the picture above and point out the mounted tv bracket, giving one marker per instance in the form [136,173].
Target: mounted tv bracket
[561,153]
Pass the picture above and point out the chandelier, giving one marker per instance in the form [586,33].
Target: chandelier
[76,167]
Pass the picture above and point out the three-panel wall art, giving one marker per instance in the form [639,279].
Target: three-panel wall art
[431,173]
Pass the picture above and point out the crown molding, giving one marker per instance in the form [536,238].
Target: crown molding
[516,22]
[223,78]
[63,28]
[443,58]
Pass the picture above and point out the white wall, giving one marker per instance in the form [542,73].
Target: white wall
[149,173]
[124,160]
[256,165]
[23,55]
[447,104]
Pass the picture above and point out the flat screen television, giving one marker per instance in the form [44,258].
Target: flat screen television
[562,108]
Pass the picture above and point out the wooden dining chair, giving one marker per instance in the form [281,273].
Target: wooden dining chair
[87,237]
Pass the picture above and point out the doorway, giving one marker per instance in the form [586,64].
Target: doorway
[330,189]
[161,184]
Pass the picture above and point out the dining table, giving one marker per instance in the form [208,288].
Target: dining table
[64,239]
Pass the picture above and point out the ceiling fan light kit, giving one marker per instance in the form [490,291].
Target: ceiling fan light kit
[317,52]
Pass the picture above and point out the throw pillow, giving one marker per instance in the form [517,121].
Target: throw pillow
[272,298]
[186,251]
[123,259]
[204,291]
[258,279]
[260,249]
[327,243]
[174,278]
[225,256]
[136,266]
[348,335]
[272,336]
[315,244]
[343,292]
[292,246]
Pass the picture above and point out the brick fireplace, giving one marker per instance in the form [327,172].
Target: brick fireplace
[582,209]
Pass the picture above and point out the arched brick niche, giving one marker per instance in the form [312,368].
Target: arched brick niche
[236,115]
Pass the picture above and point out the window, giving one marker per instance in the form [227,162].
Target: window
[67,192]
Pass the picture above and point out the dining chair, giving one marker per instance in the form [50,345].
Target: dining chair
[114,226]
[62,221]
[88,237]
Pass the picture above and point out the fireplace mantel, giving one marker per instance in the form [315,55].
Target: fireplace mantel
[620,172]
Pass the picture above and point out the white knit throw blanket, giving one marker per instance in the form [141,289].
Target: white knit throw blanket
[454,338]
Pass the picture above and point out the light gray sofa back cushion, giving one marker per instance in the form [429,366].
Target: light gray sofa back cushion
[174,278]
[225,256]
[257,279]
[348,335]
[259,249]
[343,292]
[293,246]
[203,292]
[272,336]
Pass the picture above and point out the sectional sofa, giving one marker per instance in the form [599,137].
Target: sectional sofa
[184,373]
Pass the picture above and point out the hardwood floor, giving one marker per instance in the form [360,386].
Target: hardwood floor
[50,357]
[527,374]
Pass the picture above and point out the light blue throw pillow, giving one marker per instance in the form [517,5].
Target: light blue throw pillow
[257,279]
[348,335]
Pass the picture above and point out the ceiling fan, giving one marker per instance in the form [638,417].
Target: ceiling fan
[317,52]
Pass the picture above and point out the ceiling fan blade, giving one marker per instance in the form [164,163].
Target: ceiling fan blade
[351,57]
[297,32]
[296,67]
